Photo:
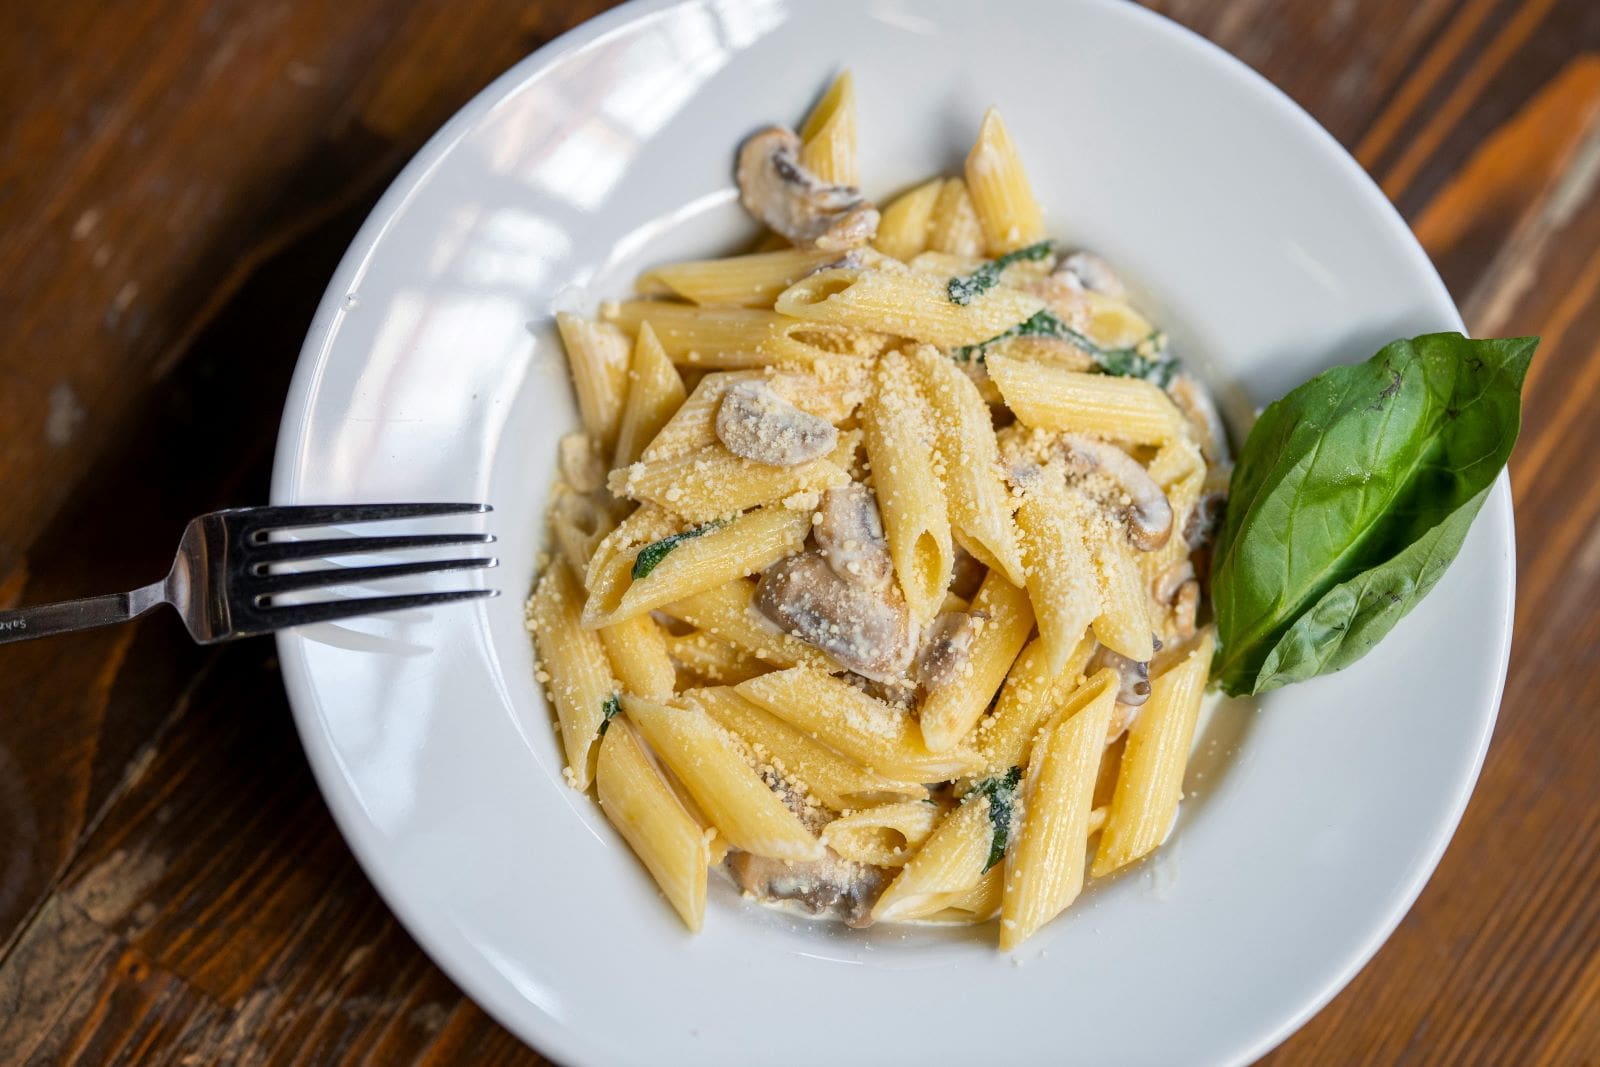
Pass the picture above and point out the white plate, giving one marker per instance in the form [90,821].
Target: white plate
[431,373]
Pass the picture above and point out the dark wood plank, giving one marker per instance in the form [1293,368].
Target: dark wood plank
[178,178]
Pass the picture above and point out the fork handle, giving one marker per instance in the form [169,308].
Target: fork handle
[42,620]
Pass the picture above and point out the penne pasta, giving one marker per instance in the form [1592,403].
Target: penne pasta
[1031,697]
[1006,617]
[980,505]
[905,225]
[828,136]
[752,281]
[874,734]
[835,781]
[707,658]
[713,556]
[655,391]
[1044,867]
[713,483]
[1001,196]
[1063,582]
[884,836]
[899,440]
[1150,781]
[723,338]
[578,523]
[636,799]
[954,225]
[1124,624]
[572,667]
[832,391]
[904,304]
[610,568]
[975,905]
[727,611]
[1051,398]
[706,759]
[598,355]
[637,649]
[951,862]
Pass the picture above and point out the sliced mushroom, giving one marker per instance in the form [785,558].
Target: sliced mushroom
[1170,580]
[1091,272]
[1197,404]
[1135,687]
[812,213]
[864,630]
[758,424]
[832,886]
[851,537]
[946,650]
[1203,519]
[1177,587]
[1146,510]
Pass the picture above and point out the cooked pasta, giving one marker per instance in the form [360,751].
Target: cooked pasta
[871,579]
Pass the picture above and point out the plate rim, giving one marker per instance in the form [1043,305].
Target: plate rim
[542,1033]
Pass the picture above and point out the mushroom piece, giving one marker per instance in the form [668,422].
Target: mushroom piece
[1147,512]
[1177,587]
[1201,524]
[758,424]
[1135,687]
[1091,272]
[864,630]
[812,213]
[1197,404]
[946,650]
[850,535]
[832,886]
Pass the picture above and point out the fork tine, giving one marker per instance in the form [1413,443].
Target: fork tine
[272,518]
[330,610]
[280,551]
[269,584]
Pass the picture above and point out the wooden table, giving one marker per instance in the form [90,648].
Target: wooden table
[177,181]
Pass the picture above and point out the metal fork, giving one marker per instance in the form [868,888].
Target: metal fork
[224,584]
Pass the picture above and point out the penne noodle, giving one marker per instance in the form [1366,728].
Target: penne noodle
[611,565]
[1123,624]
[637,649]
[954,225]
[980,505]
[828,136]
[1006,618]
[1051,398]
[1150,781]
[899,440]
[598,355]
[752,281]
[905,225]
[707,658]
[728,612]
[904,304]
[720,338]
[952,861]
[1062,580]
[1044,866]
[883,836]
[1001,196]
[637,800]
[703,756]
[832,391]
[572,666]
[874,734]
[743,546]
[835,781]
[713,483]
[1031,697]
[655,391]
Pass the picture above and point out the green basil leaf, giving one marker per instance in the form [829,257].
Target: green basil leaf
[608,711]
[1002,793]
[651,555]
[964,289]
[1350,498]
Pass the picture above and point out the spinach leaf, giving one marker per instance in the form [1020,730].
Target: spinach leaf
[608,711]
[651,555]
[1148,359]
[1350,498]
[1002,793]
[967,288]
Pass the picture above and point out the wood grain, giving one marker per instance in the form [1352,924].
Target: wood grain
[177,180]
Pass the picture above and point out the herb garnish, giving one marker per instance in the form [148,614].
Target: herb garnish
[1148,359]
[608,711]
[964,289]
[651,555]
[1351,496]
[1002,793]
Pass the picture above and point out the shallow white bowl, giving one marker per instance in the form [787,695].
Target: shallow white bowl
[431,372]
